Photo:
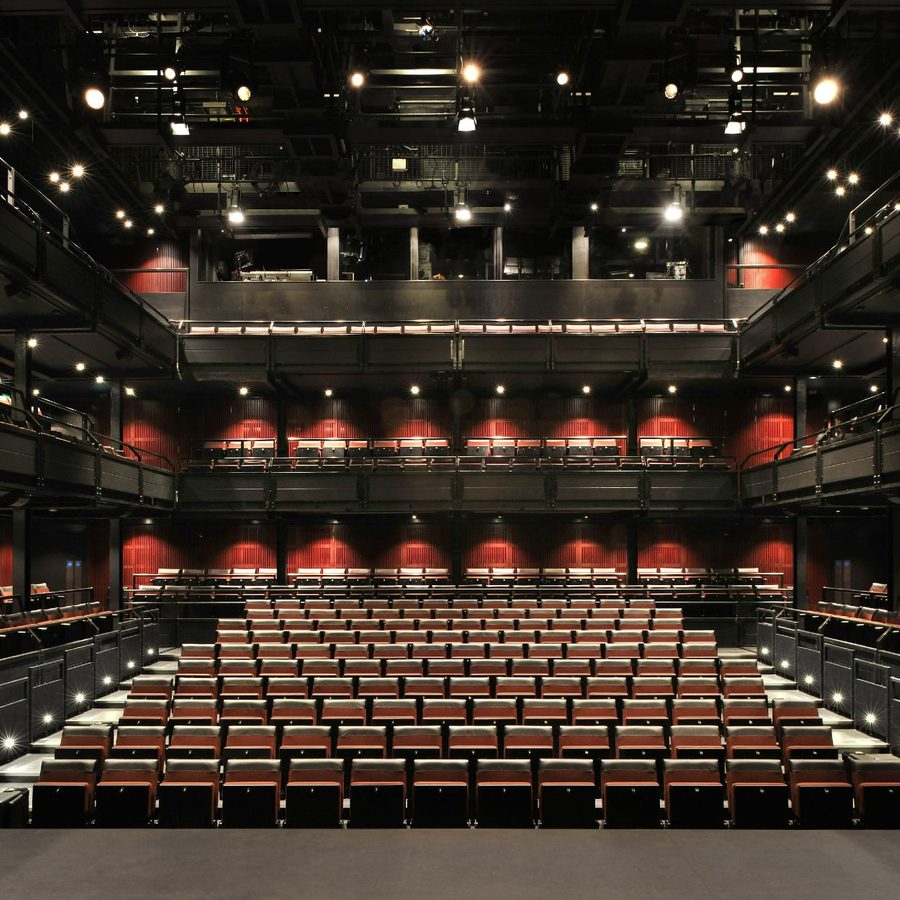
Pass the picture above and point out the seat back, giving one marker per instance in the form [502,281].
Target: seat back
[691,771]
[317,771]
[619,771]
[69,771]
[378,772]
[505,772]
[130,771]
[566,772]
[253,771]
[192,771]
[441,772]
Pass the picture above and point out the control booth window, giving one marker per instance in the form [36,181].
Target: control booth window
[630,252]
[294,257]
[536,253]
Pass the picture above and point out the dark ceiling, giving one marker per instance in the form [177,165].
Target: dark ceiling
[310,148]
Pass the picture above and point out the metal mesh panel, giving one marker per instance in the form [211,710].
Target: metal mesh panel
[442,163]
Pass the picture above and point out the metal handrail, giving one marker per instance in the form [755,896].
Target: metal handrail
[62,239]
[449,462]
[184,325]
[859,231]
[878,417]
[37,421]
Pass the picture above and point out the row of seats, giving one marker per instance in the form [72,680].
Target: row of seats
[637,326]
[504,575]
[611,604]
[25,632]
[427,701]
[384,586]
[236,577]
[341,448]
[521,789]
[379,660]
[459,660]
[860,613]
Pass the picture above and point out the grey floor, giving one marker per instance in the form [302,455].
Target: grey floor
[466,865]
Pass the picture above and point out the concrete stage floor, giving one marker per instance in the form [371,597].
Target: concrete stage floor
[462,865]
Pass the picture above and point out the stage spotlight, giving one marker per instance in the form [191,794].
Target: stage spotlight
[826,90]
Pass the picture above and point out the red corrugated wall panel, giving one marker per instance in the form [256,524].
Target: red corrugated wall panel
[585,544]
[818,561]
[409,417]
[329,418]
[681,417]
[413,544]
[531,544]
[338,545]
[544,417]
[772,252]
[362,418]
[153,425]
[769,547]
[238,418]
[758,423]
[501,544]
[375,545]
[147,548]
[163,255]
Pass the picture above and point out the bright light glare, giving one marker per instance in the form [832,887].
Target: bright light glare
[471,72]
[826,91]
[95,98]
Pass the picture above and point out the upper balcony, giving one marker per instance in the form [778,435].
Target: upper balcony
[824,312]
[53,286]
[855,459]
[54,454]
